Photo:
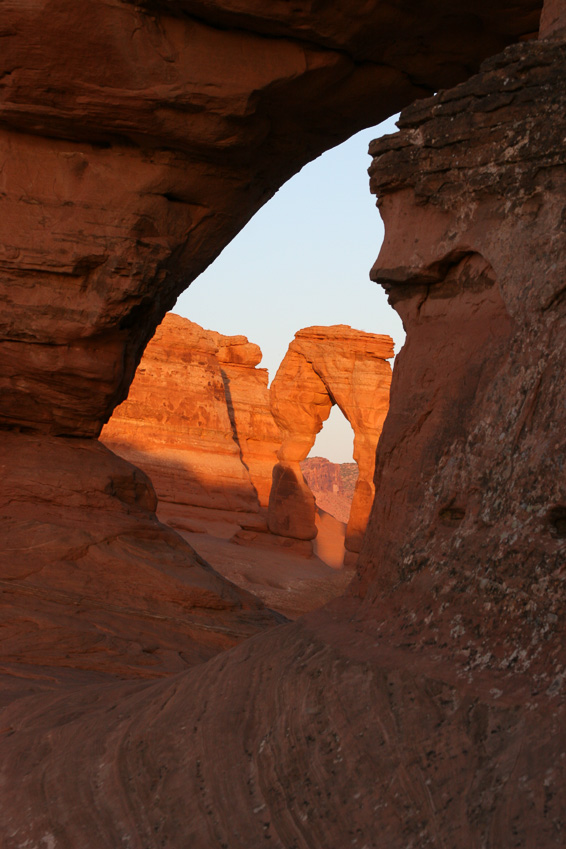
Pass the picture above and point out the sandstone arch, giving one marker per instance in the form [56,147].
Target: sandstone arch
[326,366]
[130,163]
[438,698]
[135,143]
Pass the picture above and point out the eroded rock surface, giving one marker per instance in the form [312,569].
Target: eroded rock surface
[137,138]
[326,366]
[202,423]
[198,421]
[432,711]
[90,579]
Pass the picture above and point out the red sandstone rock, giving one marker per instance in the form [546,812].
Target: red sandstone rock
[330,540]
[197,420]
[433,712]
[553,19]
[90,578]
[332,484]
[326,366]
[136,139]
[247,397]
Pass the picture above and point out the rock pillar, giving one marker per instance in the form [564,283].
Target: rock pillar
[326,366]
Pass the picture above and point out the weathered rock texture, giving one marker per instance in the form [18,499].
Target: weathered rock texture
[430,712]
[137,138]
[332,484]
[91,580]
[553,19]
[198,421]
[326,366]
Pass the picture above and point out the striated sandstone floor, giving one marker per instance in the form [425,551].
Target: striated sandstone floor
[284,581]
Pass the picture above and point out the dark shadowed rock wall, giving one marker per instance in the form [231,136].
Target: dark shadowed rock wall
[138,138]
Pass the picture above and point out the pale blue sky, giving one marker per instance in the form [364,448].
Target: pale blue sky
[303,259]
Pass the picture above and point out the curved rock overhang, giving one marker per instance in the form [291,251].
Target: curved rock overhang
[322,367]
[432,713]
[139,138]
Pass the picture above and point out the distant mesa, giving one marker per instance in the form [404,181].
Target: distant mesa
[332,484]
[226,454]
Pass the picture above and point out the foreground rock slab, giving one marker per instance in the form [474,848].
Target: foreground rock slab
[201,422]
[358,734]
[91,580]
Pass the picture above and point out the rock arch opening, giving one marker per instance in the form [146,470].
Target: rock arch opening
[435,715]
[224,450]
[302,260]
[325,366]
[305,255]
[335,440]
[331,473]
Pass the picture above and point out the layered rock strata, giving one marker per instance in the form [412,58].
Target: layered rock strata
[136,141]
[430,713]
[138,138]
[326,366]
[91,580]
[202,423]
[198,421]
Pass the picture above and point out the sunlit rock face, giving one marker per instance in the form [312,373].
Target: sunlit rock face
[326,366]
[198,421]
[90,577]
[91,580]
[220,447]
[138,138]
